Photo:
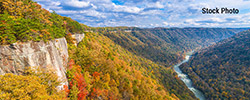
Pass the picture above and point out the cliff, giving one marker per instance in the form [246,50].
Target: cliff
[52,55]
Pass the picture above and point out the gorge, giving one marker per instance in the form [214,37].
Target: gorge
[108,63]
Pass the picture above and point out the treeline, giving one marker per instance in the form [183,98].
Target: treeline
[25,20]
[222,71]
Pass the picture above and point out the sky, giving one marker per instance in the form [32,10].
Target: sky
[151,13]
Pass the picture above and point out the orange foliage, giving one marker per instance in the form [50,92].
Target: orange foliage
[77,80]
[66,89]
[96,93]
[96,74]
[81,85]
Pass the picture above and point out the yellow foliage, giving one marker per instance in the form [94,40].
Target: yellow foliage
[29,86]
[115,72]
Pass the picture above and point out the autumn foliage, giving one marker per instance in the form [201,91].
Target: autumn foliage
[29,86]
[223,69]
[99,69]
[25,20]
[76,80]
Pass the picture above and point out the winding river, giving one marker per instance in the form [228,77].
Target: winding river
[186,80]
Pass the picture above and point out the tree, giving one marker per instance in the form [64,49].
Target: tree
[31,85]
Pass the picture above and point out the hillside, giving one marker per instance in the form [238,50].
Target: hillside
[165,45]
[222,70]
[121,74]
[25,20]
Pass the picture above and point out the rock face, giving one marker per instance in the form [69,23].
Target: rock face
[78,38]
[51,55]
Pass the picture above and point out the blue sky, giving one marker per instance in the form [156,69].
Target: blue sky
[151,13]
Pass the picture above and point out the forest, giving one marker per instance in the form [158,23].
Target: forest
[119,62]
[111,72]
[165,46]
[222,70]
[25,20]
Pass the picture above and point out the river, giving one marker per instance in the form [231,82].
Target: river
[186,80]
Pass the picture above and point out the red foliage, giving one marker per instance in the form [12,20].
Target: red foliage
[66,89]
[96,74]
[70,83]
[96,92]
[81,85]
[78,80]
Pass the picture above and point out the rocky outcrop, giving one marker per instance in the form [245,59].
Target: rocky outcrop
[52,55]
[78,38]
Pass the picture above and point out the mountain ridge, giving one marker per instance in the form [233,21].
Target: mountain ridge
[222,66]
[165,45]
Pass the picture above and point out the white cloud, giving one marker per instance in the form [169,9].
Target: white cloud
[159,5]
[151,12]
[155,5]
[129,9]
[93,6]
[66,11]
[50,5]
[165,23]
[77,3]
[93,13]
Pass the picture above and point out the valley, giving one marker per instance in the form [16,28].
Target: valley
[44,55]
[222,70]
